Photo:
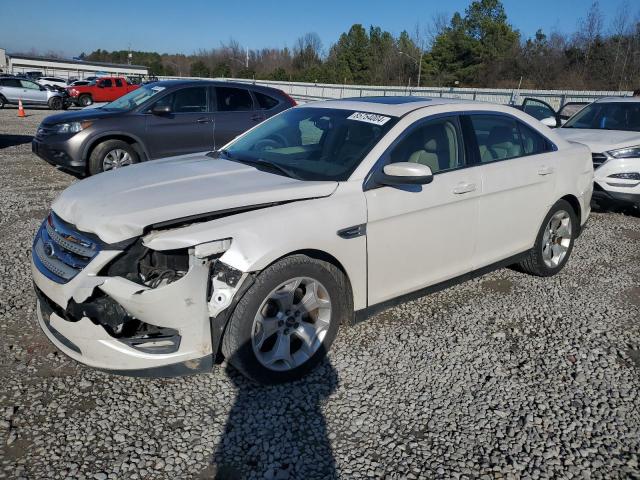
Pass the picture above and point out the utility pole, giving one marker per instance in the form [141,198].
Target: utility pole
[247,62]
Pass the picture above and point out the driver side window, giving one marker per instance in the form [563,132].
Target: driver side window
[435,143]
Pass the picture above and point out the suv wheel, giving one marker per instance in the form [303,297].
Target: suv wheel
[554,241]
[55,103]
[110,155]
[287,320]
[85,100]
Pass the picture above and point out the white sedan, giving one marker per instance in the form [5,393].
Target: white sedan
[316,218]
[610,127]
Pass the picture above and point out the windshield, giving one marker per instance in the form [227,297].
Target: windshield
[311,143]
[135,98]
[608,116]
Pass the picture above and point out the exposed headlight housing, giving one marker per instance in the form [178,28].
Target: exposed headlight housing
[627,152]
[209,249]
[626,175]
[72,127]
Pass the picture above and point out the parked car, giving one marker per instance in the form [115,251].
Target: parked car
[105,89]
[610,127]
[318,217]
[52,81]
[13,89]
[155,121]
[541,110]
[79,83]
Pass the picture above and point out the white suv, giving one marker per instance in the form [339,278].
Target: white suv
[320,216]
[610,127]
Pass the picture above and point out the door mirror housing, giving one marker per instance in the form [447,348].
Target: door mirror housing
[161,109]
[405,173]
[551,122]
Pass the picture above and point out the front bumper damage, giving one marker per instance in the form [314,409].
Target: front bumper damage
[180,315]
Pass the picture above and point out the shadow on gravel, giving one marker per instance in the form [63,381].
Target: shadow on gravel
[279,431]
[614,208]
[13,140]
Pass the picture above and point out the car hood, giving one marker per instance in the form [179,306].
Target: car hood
[600,141]
[118,205]
[80,115]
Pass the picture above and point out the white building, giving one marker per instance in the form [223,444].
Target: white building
[14,64]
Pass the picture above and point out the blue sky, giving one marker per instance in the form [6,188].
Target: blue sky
[188,25]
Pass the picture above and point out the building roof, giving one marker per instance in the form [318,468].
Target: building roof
[75,62]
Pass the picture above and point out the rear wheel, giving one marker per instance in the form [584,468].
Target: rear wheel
[55,103]
[554,242]
[110,155]
[287,320]
[85,100]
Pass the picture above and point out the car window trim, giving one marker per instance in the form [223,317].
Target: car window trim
[248,90]
[256,103]
[146,109]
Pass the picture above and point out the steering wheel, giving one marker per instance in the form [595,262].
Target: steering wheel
[271,142]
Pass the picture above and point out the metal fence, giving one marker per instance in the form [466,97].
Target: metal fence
[307,92]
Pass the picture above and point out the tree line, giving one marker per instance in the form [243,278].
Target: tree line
[475,48]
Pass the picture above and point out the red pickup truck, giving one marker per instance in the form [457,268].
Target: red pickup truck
[104,89]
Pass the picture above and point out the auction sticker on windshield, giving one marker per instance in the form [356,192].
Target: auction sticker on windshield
[369,118]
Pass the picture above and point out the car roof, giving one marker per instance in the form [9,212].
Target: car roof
[395,106]
[215,83]
[618,100]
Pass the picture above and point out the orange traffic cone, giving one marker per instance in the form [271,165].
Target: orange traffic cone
[20,109]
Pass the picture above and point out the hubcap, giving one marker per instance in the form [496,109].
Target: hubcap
[291,324]
[556,239]
[116,158]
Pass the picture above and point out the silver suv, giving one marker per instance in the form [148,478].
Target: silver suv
[13,89]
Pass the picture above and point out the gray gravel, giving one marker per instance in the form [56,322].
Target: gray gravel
[507,376]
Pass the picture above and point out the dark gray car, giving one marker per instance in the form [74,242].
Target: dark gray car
[157,120]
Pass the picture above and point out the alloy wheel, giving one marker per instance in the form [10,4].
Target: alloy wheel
[116,158]
[556,239]
[291,324]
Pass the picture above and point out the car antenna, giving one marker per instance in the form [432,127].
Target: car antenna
[214,132]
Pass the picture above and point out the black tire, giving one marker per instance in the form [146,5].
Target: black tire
[534,264]
[3,102]
[96,160]
[85,100]
[237,340]
[55,103]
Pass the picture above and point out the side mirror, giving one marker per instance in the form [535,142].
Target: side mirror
[405,173]
[551,122]
[161,109]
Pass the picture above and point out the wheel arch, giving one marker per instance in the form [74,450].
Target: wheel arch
[132,140]
[575,204]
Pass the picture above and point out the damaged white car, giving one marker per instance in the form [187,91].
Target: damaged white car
[316,218]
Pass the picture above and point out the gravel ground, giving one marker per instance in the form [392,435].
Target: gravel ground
[506,376]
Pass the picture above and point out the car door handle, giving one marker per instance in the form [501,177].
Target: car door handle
[544,170]
[464,187]
[203,120]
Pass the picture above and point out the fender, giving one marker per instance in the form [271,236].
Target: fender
[92,140]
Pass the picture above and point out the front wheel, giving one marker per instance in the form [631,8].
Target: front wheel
[111,155]
[85,100]
[287,320]
[55,103]
[554,242]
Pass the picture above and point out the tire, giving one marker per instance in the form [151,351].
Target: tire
[243,336]
[561,238]
[85,100]
[55,103]
[98,161]
[3,102]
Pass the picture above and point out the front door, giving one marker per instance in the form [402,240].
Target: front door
[517,168]
[32,92]
[419,236]
[188,128]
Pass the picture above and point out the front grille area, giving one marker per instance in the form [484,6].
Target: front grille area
[60,252]
[44,131]
[598,159]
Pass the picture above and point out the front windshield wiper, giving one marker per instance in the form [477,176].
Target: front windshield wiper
[254,162]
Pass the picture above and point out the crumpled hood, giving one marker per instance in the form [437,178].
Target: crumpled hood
[118,205]
[600,141]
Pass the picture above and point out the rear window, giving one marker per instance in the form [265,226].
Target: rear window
[265,102]
[233,99]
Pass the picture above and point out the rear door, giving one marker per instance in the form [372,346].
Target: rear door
[235,113]
[11,89]
[517,168]
[187,129]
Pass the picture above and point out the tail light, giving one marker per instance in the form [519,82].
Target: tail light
[289,99]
